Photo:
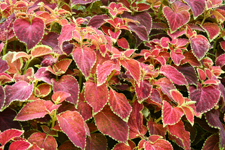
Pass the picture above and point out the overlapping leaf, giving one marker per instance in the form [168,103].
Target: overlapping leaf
[197,6]
[21,145]
[9,134]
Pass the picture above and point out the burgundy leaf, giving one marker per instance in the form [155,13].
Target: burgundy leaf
[20,91]
[140,31]
[97,21]
[29,33]
[2,97]
[32,110]
[119,104]
[6,28]
[110,124]
[66,34]
[96,96]
[212,29]
[211,143]
[67,83]
[3,65]
[19,145]
[220,61]
[206,97]
[9,134]
[189,73]
[122,146]
[85,59]
[159,144]
[156,129]
[72,124]
[155,95]
[173,74]
[43,74]
[83,108]
[144,90]
[197,6]
[97,141]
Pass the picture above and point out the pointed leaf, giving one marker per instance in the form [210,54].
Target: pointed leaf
[211,143]
[3,65]
[140,31]
[20,145]
[60,96]
[66,34]
[220,61]
[206,97]
[85,59]
[96,96]
[122,42]
[119,104]
[8,135]
[72,124]
[43,74]
[144,90]
[29,33]
[98,20]
[212,30]
[160,144]
[42,90]
[177,57]
[173,74]
[197,6]
[97,141]
[41,50]
[20,91]
[67,83]
[32,110]
[189,112]
[50,106]
[189,73]
[130,146]
[177,96]
[156,129]
[83,108]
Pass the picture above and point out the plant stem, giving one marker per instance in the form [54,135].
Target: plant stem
[54,118]
[111,75]
[160,118]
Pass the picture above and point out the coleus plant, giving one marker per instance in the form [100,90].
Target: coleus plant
[88,74]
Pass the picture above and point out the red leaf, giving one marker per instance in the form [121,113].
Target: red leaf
[32,110]
[222,44]
[213,119]
[68,84]
[28,76]
[72,124]
[43,140]
[177,16]
[116,9]
[83,108]
[135,122]
[40,50]
[74,2]
[96,96]
[66,34]
[119,104]
[133,67]
[206,97]
[177,56]
[97,141]
[3,65]
[220,61]
[14,66]
[2,97]
[6,30]
[8,135]
[155,96]
[213,3]
[105,69]
[156,129]
[42,90]
[123,146]
[20,91]
[189,73]
[60,96]
[43,75]
[199,45]
[60,67]
[211,29]
[173,74]
[197,6]
[160,144]
[179,132]
[122,42]
[31,34]
[189,112]
[171,115]
[19,145]
[110,124]
[191,59]
[144,90]
[177,96]
[211,143]
[50,106]
[67,145]
[140,31]
[85,59]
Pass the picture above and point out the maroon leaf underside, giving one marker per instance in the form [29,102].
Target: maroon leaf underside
[67,83]
[84,108]
[156,129]
[140,31]
[110,124]
[31,34]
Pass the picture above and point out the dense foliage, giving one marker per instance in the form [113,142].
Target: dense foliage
[121,75]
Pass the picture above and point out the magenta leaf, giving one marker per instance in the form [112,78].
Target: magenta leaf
[96,141]
[177,16]
[32,110]
[72,124]
[110,124]
[206,97]
[119,104]
[67,83]
[220,61]
[43,140]
[20,145]
[85,59]
[199,45]
[3,65]
[197,6]
[213,120]
[96,96]
[29,33]
[83,108]
[20,91]
[173,74]
[66,34]
[212,29]
[144,90]
[9,134]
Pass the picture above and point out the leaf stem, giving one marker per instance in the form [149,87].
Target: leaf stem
[26,66]
[54,118]
[157,120]
[111,75]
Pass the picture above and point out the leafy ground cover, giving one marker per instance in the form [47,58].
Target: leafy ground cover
[121,75]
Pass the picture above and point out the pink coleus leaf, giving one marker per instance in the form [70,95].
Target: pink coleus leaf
[144,90]
[50,106]
[43,140]
[199,45]
[177,16]
[6,28]
[213,119]
[133,67]
[42,90]
[119,104]
[2,97]
[40,50]
[213,3]
[191,59]
[20,91]
[220,61]
[155,128]
[206,97]
[105,69]
[201,74]
[69,84]
[110,124]
[5,78]
[171,115]
[96,141]
[189,113]
[3,65]
[179,132]
[66,34]
[212,30]
[85,59]
[116,9]
[72,124]
[173,74]
[60,96]
[14,66]
[189,73]
[131,145]
[197,6]
[29,33]
[83,108]
[1,46]
[9,134]
[75,2]
[43,74]
[159,144]
[135,122]
[177,96]
[20,145]
[211,143]
[177,56]
[32,110]
[222,44]
[122,42]
[96,96]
